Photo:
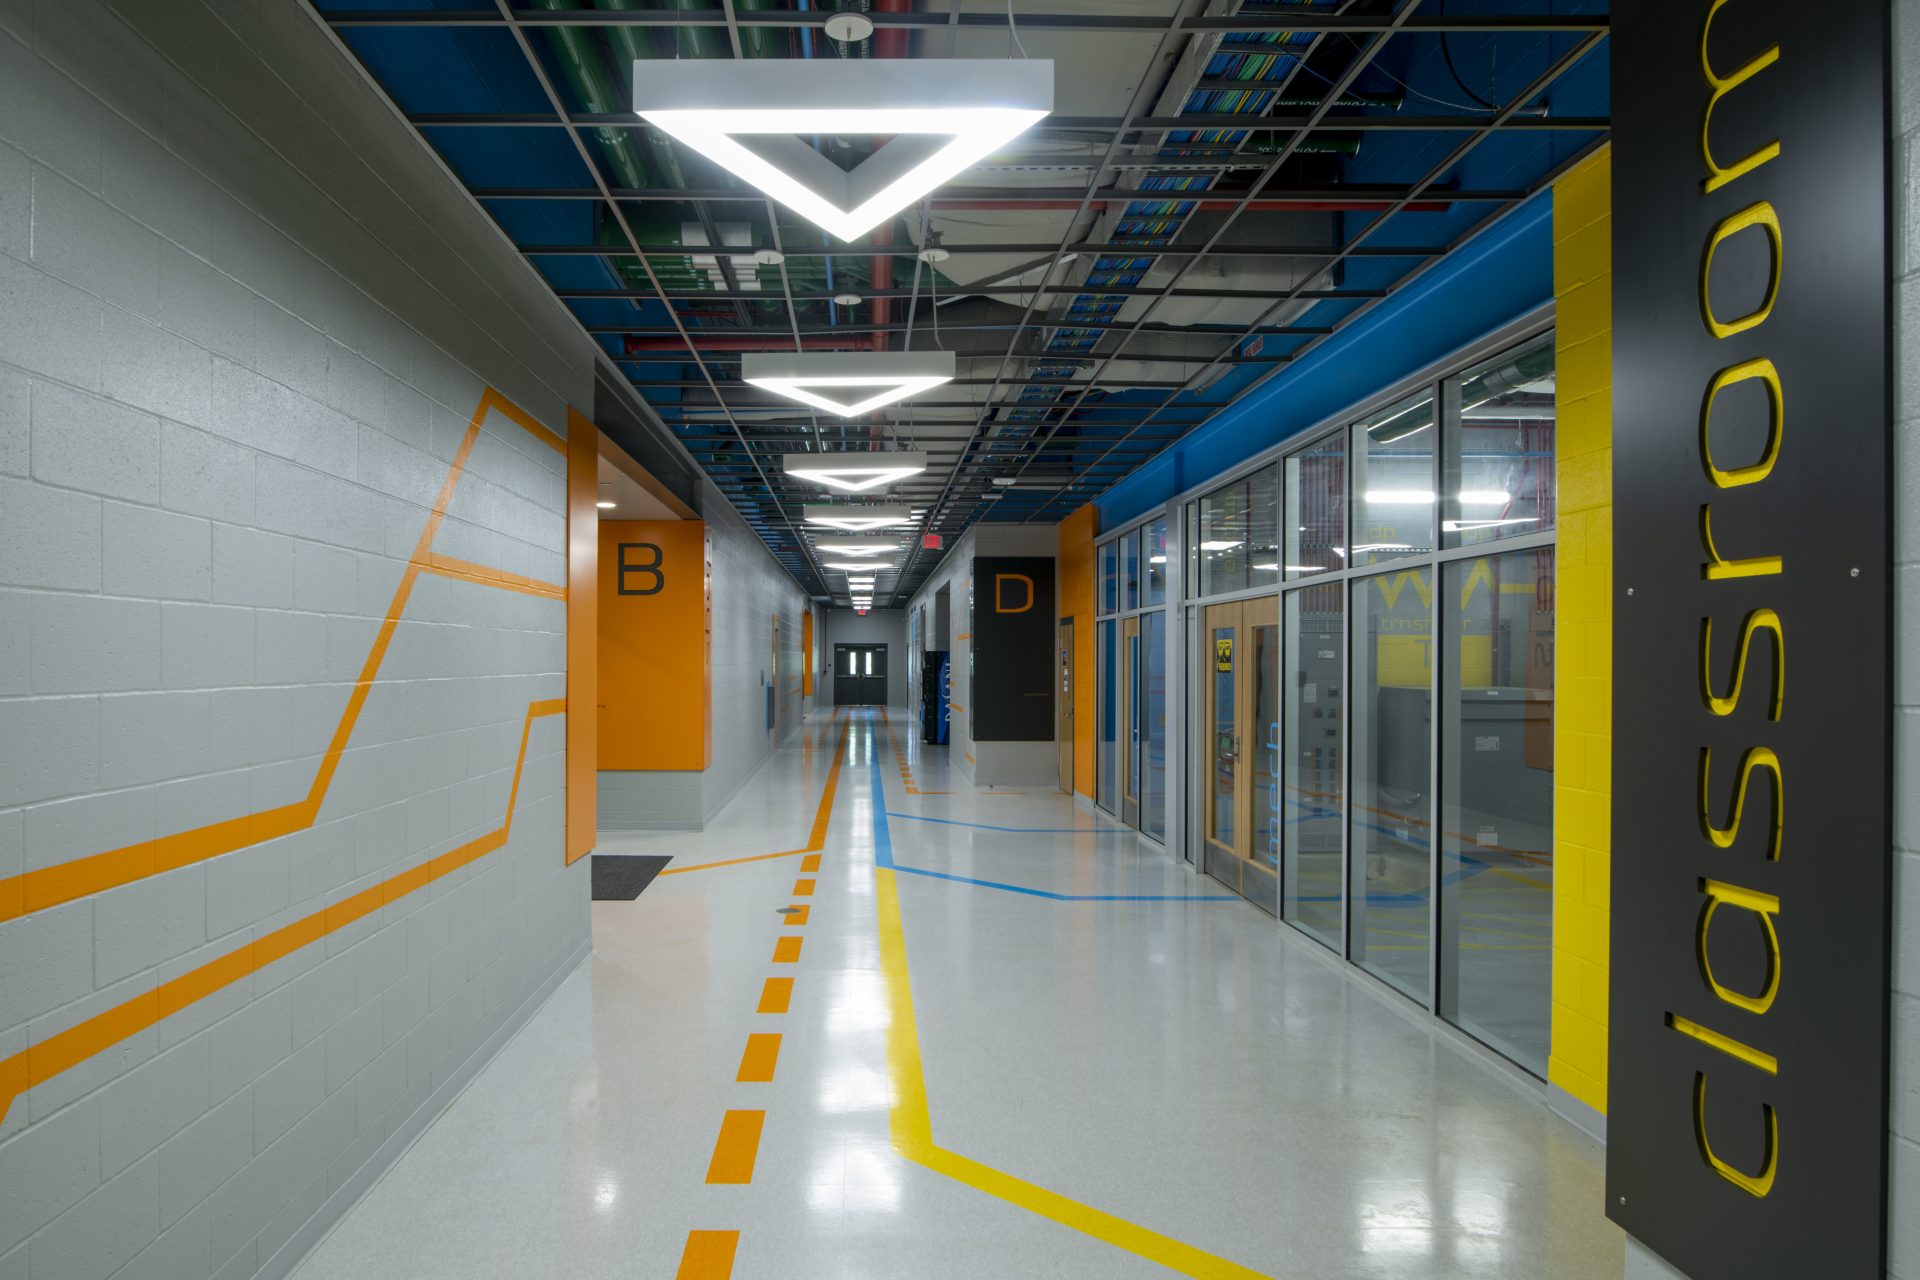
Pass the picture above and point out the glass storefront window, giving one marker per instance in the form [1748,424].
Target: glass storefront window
[1316,508]
[1499,476]
[1239,536]
[1130,571]
[1496,802]
[1153,725]
[1154,550]
[1393,497]
[1389,878]
[1109,554]
[1311,777]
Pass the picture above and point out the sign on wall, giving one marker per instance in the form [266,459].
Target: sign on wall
[1748,1022]
[1013,649]
[656,645]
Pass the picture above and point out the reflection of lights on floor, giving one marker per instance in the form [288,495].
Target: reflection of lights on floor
[873,1180]
[857,1002]
[855,1089]
[605,1193]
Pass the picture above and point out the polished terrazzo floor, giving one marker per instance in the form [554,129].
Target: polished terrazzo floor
[1015,1044]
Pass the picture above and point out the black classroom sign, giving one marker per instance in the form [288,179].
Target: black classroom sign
[1013,649]
[1747,1107]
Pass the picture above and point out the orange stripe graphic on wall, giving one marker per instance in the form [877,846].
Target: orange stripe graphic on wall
[50,886]
[65,882]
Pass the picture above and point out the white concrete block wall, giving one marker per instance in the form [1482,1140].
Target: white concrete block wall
[1904,1153]
[750,589]
[243,327]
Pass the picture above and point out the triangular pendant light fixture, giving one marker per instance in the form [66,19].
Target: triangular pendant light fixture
[854,519]
[847,383]
[942,116]
[855,471]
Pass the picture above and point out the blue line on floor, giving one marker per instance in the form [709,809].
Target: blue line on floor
[988,826]
[883,857]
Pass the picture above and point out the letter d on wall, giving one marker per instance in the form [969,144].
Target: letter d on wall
[1000,581]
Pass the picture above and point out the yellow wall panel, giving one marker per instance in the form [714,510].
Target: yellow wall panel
[1583,267]
[1076,601]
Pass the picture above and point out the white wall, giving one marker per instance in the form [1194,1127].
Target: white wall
[1904,1210]
[244,324]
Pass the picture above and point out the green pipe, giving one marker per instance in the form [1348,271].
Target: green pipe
[761,42]
[580,62]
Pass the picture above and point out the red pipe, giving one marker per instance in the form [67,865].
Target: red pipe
[888,42]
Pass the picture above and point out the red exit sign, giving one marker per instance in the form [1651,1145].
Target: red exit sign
[930,542]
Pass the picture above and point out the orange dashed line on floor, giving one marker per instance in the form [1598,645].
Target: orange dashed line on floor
[803,888]
[735,1150]
[758,1061]
[786,950]
[796,916]
[775,995]
[810,863]
[708,1255]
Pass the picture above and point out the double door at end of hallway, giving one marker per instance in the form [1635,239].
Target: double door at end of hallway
[859,675]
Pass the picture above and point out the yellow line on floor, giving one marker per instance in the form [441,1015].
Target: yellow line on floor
[786,950]
[803,888]
[735,1150]
[708,1255]
[912,1126]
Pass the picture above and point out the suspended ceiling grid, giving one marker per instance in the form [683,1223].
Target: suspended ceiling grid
[1222,187]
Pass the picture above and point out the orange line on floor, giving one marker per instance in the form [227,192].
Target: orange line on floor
[818,837]
[810,863]
[775,995]
[708,1255]
[50,886]
[757,1063]
[797,915]
[786,950]
[735,1149]
[47,1058]
[803,888]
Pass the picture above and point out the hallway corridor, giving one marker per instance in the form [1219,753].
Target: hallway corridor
[998,1040]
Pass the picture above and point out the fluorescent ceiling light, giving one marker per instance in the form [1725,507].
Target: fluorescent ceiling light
[1156,559]
[1220,546]
[874,378]
[1306,568]
[1462,526]
[606,506]
[863,566]
[1399,497]
[1270,567]
[855,472]
[943,116]
[855,519]
[859,546]
[1486,497]
[1382,546]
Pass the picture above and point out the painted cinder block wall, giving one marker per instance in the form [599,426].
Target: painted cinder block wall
[245,326]
[1904,1210]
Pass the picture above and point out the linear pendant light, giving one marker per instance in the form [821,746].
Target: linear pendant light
[942,116]
[858,546]
[856,472]
[854,519]
[873,378]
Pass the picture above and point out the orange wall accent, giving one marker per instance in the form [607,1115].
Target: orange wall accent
[656,649]
[1076,601]
[806,653]
[583,634]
